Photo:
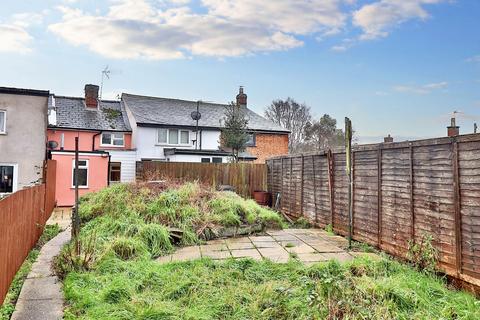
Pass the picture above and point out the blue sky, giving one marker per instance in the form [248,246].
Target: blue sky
[393,66]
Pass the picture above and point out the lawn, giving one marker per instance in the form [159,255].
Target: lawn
[125,227]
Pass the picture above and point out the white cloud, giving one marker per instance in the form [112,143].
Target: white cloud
[14,39]
[376,19]
[170,29]
[421,89]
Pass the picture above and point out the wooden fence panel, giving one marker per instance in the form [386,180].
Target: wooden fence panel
[365,206]
[245,177]
[23,215]
[402,191]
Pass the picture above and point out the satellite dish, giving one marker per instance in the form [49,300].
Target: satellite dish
[52,144]
[196,115]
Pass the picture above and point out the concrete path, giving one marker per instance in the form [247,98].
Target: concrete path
[41,296]
[307,245]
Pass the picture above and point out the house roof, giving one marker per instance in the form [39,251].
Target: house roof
[72,113]
[25,92]
[154,111]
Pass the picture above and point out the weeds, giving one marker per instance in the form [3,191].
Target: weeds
[329,229]
[423,254]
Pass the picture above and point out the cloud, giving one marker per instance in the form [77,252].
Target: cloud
[422,89]
[378,18]
[14,39]
[225,28]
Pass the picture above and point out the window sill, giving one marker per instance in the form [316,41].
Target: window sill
[172,145]
[111,146]
[79,187]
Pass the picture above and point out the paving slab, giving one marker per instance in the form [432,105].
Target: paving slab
[238,240]
[302,248]
[261,239]
[311,257]
[187,253]
[262,244]
[216,255]
[241,245]
[248,253]
[275,254]
[340,256]
[327,248]
[214,247]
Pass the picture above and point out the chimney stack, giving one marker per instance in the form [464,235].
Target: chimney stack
[453,130]
[241,98]
[388,139]
[91,96]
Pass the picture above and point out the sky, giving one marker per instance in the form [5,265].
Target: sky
[398,67]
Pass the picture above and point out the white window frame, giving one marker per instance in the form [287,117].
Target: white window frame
[4,131]
[168,137]
[112,138]
[81,167]
[15,176]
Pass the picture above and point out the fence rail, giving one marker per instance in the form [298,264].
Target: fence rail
[401,191]
[245,177]
[22,218]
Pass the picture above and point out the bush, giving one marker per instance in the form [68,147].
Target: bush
[423,254]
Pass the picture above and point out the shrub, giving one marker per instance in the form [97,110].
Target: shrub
[423,254]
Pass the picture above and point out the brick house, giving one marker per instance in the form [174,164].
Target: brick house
[164,130]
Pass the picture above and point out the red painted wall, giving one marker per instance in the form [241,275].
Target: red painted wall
[84,141]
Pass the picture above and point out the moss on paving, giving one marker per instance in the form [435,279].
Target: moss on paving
[8,307]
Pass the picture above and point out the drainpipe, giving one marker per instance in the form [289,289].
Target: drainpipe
[108,170]
[201,133]
[93,139]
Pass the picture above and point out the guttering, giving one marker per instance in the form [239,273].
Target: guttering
[193,127]
[25,92]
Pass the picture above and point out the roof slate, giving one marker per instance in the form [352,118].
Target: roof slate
[72,113]
[165,111]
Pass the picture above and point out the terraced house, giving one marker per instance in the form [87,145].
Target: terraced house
[166,129]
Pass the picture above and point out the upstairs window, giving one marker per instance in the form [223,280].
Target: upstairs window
[251,140]
[173,136]
[82,173]
[113,139]
[3,121]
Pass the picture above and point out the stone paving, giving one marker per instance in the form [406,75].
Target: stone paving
[41,296]
[307,245]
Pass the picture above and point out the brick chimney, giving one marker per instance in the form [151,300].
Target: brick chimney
[388,139]
[241,98]
[91,96]
[453,130]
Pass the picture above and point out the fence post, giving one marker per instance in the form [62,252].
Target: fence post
[314,190]
[412,208]
[330,183]
[282,196]
[301,188]
[379,196]
[458,214]
[290,187]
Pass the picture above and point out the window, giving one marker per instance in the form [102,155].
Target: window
[6,178]
[251,140]
[112,139]
[115,171]
[217,160]
[205,160]
[82,173]
[3,121]
[173,136]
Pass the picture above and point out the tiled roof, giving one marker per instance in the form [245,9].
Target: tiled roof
[71,112]
[165,111]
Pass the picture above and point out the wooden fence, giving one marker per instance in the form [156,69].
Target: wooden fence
[22,218]
[401,191]
[245,177]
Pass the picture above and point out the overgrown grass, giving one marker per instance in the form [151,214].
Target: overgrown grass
[132,221]
[247,289]
[8,306]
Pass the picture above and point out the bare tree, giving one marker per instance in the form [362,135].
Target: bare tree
[323,134]
[292,116]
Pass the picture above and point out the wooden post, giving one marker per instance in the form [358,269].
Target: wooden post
[301,188]
[379,196]
[281,185]
[330,164]
[353,193]
[458,213]
[290,187]
[76,218]
[348,169]
[412,208]
[314,190]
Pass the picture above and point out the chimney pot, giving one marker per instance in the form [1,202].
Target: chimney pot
[388,139]
[241,97]
[453,130]
[91,95]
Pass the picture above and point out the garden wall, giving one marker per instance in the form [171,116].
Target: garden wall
[401,191]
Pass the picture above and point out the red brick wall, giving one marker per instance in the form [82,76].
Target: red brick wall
[269,145]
